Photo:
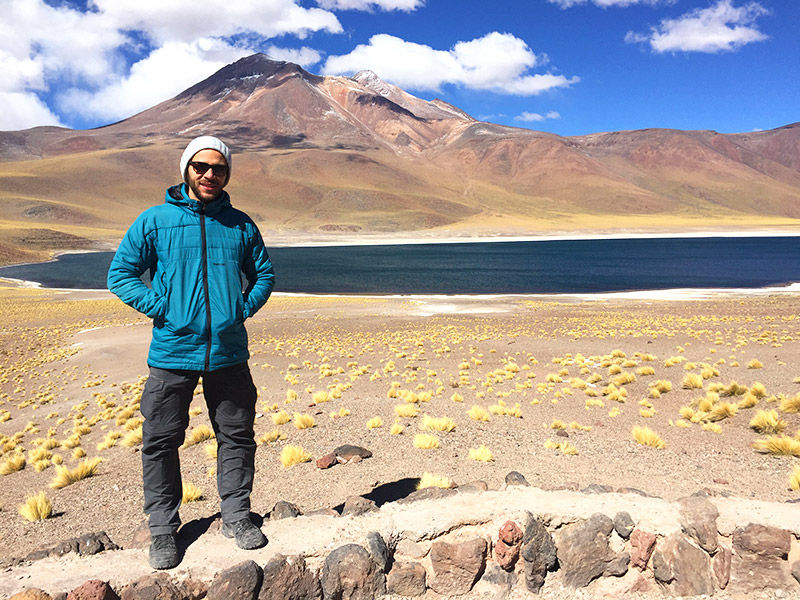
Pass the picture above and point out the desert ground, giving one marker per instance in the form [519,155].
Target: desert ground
[560,384]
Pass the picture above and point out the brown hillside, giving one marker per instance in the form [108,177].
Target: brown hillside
[335,155]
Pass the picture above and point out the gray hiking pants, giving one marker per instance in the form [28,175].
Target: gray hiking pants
[231,399]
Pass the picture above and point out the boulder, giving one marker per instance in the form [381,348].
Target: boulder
[31,594]
[721,565]
[156,586]
[406,579]
[357,505]
[698,519]
[284,510]
[507,548]
[760,559]
[239,582]
[288,578]
[583,550]
[642,545]
[349,573]
[538,552]
[94,589]
[456,567]
[682,567]
[378,550]
[516,478]
[623,525]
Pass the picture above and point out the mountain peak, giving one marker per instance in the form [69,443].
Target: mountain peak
[370,80]
[246,74]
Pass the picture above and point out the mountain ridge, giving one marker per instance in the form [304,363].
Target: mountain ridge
[359,156]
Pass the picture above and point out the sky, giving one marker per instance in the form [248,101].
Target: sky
[570,67]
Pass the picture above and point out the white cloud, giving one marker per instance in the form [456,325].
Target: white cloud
[498,62]
[83,58]
[603,3]
[305,57]
[529,117]
[369,5]
[719,28]
[19,110]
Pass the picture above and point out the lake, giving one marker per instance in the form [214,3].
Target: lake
[530,267]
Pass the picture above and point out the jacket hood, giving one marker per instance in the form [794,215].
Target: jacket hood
[178,195]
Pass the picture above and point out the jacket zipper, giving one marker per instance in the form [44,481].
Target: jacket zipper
[204,250]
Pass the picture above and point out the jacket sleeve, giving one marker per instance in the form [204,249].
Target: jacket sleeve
[134,256]
[257,268]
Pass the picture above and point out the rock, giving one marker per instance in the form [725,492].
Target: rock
[378,550]
[495,583]
[140,538]
[638,492]
[516,478]
[570,486]
[762,540]
[193,589]
[473,487]
[759,559]
[31,594]
[357,505]
[347,453]
[642,545]
[94,589]
[538,552]
[507,548]
[682,567]
[327,461]
[239,582]
[597,488]
[54,550]
[721,565]
[90,544]
[583,550]
[456,567]
[156,586]
[284,510]
[406,579]
[288,578]
[60,596]
[562,433]
[698,519]
[796,570]
[411,549]
[617,566]
[349,573]
[429,493]
[623,525]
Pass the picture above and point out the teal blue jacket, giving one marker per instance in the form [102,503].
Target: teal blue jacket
[196,254]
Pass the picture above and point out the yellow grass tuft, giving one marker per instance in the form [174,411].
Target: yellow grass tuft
[692,381]
[132,438]
[481,454]
[749,400]
[768,421]
[662,386]
[646,370]
[558,424]
[430,480]
[191,493]
[437,424]
[294,455]
[721,411]
[65,476]
[36,508]
[426,441]
[647,437]
[794,478]
[374,423]
[12,464]
[478,413]
[790,405]
[269,437]
[396,429]
[201,433]
[758,390]
[211,450]
[680,423]
[712,427]
[321,396]
[734,389]
[406,410]
[755,364]
[281,417]
[303,421]
[456,397]
[778,445]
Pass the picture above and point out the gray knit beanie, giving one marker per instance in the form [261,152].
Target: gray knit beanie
[205,142]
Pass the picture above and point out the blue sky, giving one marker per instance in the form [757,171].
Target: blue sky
[571,67]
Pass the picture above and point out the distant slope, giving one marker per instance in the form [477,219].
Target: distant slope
[324,156]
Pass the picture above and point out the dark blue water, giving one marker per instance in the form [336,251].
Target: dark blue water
[549,267]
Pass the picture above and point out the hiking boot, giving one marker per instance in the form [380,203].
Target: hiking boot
[247,535]
[164,552]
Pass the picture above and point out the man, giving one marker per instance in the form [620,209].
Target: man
[196,247]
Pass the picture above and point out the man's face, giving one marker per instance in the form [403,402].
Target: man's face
[206,186]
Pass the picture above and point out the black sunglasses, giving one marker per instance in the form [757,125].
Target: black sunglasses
[202,168]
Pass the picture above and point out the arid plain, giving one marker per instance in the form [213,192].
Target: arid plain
[560,384]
